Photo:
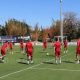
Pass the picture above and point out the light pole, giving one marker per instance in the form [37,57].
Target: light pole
[61,21]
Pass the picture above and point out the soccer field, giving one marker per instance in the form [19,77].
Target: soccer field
[44,67]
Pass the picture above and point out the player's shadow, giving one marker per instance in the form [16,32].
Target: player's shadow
[67,61]
[22,58]
[22,62]
[50,56]
[43,51]
[1,62]
[48,62]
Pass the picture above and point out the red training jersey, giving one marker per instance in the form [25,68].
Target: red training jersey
[45,44]
[78,45]
[10,45]
[22,45]
[65,43]
[57,46]
[4,46]
[29,47]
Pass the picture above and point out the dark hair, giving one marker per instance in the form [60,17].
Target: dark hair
[6,41]
[56,39]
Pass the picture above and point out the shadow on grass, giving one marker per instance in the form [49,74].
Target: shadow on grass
[22,58]
[17,52]
[50,55]
[1,62]
[22,62]
[43,51]
[48,62]
[67,61]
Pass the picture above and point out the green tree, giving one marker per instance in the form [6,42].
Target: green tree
[15,27]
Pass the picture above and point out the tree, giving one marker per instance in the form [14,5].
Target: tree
[69,24]
[3,31]
[15,27]
[55,29]
[78,28]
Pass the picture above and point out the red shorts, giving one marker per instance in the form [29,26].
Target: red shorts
[57,53]
[10,48]
[29,53]
[78,52]
[3,52]
[65,46]
[22,47]
[45,46]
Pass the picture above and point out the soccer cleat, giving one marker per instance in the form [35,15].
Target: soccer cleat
[56,62]
[31,62]
[1,58]
[64,52]
[3,61]
[60,61]
[12,52]
[27,62]
[77,62]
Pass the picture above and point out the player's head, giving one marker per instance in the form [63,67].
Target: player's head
[65,38]
[56,39]
[21,40]
[28,40]
[6,41]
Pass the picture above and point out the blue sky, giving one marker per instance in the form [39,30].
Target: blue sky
[36,11]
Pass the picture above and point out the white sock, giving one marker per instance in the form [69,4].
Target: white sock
[78,61]
[59,60]
[56,62]
[64,51]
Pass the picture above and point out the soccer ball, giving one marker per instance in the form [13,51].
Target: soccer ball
[47,54]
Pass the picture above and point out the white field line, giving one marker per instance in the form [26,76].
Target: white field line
[22,70]
[71,70]
[25,69]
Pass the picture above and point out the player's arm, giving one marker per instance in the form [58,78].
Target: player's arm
[26,48]
[7,48]
[61,48]
[54,47]
[32,47]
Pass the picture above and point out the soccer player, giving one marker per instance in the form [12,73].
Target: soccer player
[44,44]
[11,47]
[22,46]
[29,51]
[65,45]
[4,49]
[78,50]
[57,48]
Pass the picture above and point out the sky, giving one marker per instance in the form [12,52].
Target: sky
[36,11]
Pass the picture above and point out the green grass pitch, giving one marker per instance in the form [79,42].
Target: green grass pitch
[44,67]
